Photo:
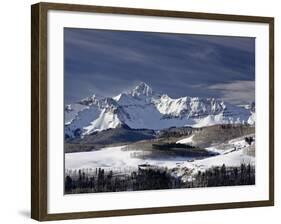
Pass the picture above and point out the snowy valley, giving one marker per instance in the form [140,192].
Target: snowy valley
[142,140]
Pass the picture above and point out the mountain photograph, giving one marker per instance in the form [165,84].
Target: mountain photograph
[155,111]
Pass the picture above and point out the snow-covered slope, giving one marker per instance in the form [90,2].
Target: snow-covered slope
[142,108]
[190,106]
[117,159]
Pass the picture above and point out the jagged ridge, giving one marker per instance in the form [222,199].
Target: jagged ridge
[142,108]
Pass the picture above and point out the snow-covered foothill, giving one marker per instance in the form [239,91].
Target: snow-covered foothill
[119,159]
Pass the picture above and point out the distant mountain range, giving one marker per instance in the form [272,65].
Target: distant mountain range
[142,108]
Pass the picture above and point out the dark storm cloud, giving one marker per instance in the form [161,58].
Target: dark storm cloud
[109,62]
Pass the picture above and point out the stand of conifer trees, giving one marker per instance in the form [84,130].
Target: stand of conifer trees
[153,179]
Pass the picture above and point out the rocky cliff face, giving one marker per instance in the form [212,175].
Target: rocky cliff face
[142,108]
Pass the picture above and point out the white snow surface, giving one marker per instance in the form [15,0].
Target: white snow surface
[233,156]
[71,112]
[252,118]
[232,159]
[142,108]
[113,158]
[106,120]
[119,159]
[186,140]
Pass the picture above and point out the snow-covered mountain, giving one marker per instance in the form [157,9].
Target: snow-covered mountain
[142,108]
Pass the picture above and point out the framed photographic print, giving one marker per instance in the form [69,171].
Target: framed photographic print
[140,111]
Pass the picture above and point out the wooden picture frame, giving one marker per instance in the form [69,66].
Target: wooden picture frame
[39,109]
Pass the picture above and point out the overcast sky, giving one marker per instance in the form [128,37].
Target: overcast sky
[109,62]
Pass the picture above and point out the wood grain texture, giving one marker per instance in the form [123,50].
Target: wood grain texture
[271,111]
[34,113]
[39,204]
[38,112]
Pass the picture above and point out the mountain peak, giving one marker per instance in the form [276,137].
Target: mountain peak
[142,89]
[91,100]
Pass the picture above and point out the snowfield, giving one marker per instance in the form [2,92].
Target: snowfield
[119,159]
[114,158]
[186,140]
[232,159]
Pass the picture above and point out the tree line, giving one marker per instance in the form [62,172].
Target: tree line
[226,176]
[154,179]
